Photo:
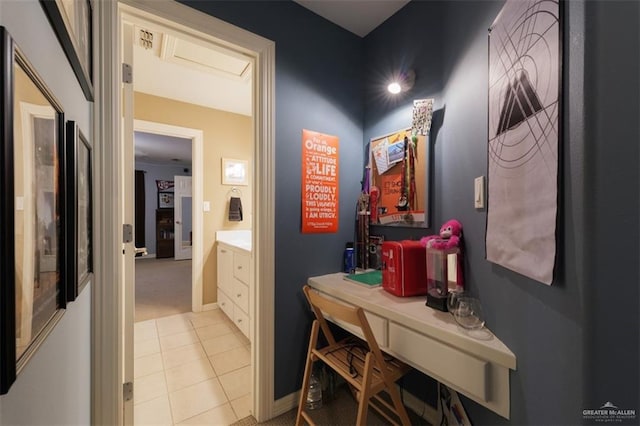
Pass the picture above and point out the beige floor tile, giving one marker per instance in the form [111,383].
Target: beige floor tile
[173,324]
[225,362]
[175,357]
[188,374]
[214,330]
[146,347]
[196,399]
[155,412]
[145,330]
[243,338]
[236,383]
[221,344]
[176,340]
[202,319]
[149,387]
[146,365]
[242,406]
[222,415]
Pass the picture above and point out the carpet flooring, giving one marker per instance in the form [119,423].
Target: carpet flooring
[163,288]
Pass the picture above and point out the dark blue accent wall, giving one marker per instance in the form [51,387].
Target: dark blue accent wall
[612,159]
[576,341]
[318,87]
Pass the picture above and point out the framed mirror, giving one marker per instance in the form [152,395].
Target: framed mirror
[32,293]
[399,179]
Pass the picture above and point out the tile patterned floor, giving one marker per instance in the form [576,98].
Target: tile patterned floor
[191,369]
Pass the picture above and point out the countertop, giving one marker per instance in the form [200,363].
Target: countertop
[239,239]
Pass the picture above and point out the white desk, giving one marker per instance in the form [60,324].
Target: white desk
[431,341]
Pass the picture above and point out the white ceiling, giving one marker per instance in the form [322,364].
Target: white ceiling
[174,64]
[358,16]
[160,149]
[177,66]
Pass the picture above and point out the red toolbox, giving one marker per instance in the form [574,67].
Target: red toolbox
[404,268]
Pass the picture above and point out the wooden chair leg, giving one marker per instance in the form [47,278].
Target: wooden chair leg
[365,392]
[401,411]
[307,372]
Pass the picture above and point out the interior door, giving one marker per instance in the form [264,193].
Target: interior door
[183,217]
[128,193]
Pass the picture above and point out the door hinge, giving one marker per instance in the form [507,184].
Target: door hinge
[127,391]
[127,73]
[127,233]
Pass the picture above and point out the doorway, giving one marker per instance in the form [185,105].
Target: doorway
[112,332]
[262,263]
[163,285]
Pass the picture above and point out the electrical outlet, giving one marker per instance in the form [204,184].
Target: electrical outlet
[478,199]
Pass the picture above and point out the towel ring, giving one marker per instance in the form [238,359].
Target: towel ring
[233,191]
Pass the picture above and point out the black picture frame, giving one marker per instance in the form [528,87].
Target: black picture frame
[72,23]
[32,220]
[79,212]
[166,200]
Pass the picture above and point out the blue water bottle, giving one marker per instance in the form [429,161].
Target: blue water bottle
[349,259]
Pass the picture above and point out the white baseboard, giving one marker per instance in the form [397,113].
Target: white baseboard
[286,403]
[209,306]
[421,408]
[411,401]
[149,256]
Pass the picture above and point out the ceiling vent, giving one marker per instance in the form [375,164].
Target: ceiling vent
[146,39]
[216,60]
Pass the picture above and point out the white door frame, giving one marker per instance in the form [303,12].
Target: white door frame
[197,140]
[108,316]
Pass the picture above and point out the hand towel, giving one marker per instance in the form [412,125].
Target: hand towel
[235,209]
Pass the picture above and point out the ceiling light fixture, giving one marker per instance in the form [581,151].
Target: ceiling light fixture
[402,83]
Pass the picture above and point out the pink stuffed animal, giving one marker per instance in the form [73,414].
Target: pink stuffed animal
[450,234]
[450,237]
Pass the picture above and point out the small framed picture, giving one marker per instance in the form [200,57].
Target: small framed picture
[165,200]
[235,172]
[79,211]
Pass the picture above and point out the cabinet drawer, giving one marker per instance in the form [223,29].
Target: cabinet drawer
[241,296]
[241,320]
[378,324]
[241,264]
[447,364]
[225,304]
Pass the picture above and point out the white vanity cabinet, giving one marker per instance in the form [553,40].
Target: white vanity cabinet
[234,284]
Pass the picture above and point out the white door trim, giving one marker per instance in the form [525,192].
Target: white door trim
[108,365]
[197,153]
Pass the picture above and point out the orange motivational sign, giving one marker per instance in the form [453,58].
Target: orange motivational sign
[319,183]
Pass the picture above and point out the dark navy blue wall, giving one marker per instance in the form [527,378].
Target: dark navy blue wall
[612,135]
[576,347]
[318,74]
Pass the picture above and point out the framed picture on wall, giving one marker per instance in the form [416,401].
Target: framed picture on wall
[235,172]
[32,220]
[79,211]
[165,200]
[71,21]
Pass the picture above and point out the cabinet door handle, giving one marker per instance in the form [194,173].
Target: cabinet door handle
[239,320]
[239,295]
[223,303]
[239,267]
[223,251]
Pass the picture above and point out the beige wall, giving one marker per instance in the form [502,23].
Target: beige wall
[226,135]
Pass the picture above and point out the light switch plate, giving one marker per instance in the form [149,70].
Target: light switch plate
[206,206]
[478,197]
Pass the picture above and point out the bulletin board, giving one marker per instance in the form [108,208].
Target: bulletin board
[386,167]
